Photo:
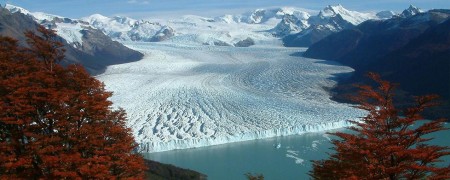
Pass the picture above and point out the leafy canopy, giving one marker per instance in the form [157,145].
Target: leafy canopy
[384,145]
[55,121]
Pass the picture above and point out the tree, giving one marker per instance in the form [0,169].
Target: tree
[56,122]
[384,145]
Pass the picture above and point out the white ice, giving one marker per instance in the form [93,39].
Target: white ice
[186,96]
[294,155]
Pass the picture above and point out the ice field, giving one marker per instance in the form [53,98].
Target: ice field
[182,96]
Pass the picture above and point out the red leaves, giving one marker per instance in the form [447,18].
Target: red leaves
[385,146]
[56,122]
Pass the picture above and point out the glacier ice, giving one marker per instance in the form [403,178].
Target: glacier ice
[187,96]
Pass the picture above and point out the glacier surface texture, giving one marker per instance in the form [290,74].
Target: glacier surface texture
[187,96]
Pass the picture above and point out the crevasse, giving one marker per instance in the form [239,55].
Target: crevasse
[148,147]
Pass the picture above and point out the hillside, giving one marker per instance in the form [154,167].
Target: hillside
[330,20]
[412,51]
[95,52]
[160,171]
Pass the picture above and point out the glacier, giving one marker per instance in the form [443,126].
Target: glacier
[186,96]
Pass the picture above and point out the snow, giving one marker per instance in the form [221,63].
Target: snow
[126,29]
[198,30]
[411,11]
[71,33]
[187,94]
[39,16]
[353,17]
[184,96]
[16,9]
[260,25]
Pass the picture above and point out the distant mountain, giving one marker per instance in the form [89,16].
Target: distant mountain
[261,16]
[261,26]
[287,20]
[330,20]
[127,29]
[385,14]
[374,39]
[411,11]
[83,44]
[412,50]
[290,24]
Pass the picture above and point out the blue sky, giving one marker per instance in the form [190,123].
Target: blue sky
[164,8]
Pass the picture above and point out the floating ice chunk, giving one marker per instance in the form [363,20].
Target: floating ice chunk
[326,136]
[294,155]
[314,144]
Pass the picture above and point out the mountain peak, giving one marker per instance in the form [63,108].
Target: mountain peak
[333,10]
[411,11]
[412,7]
[14,9]
[353,17]
[98,16]
[337,7]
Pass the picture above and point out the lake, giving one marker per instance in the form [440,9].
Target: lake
[290,161]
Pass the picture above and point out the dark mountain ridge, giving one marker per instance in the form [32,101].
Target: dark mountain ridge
[413,51]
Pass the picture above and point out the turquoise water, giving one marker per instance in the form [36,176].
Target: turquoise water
[290,161]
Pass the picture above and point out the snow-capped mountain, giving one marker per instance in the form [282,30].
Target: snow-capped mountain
[127,29]
[411,11]
[385,14]
[118,28]
[199,30]
[330,20]
[84,44]
[67,28]
[265,15]
[332,14]
[284,21]
[290,24]
[413,51]
[261,26]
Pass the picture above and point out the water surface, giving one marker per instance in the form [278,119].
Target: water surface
[290,161]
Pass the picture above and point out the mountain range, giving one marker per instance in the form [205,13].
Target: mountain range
[403,47]
[84,45]
[261,26]
[330,20]
[412,49]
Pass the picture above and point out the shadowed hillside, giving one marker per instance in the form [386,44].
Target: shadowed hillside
[412,51]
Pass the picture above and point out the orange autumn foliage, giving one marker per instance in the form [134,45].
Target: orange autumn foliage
[384,144]
[56,122]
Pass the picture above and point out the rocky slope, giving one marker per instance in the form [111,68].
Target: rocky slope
[160,171]
[84,45]
[411,49]
[330,20]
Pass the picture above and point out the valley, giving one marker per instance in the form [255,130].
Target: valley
[182,96]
